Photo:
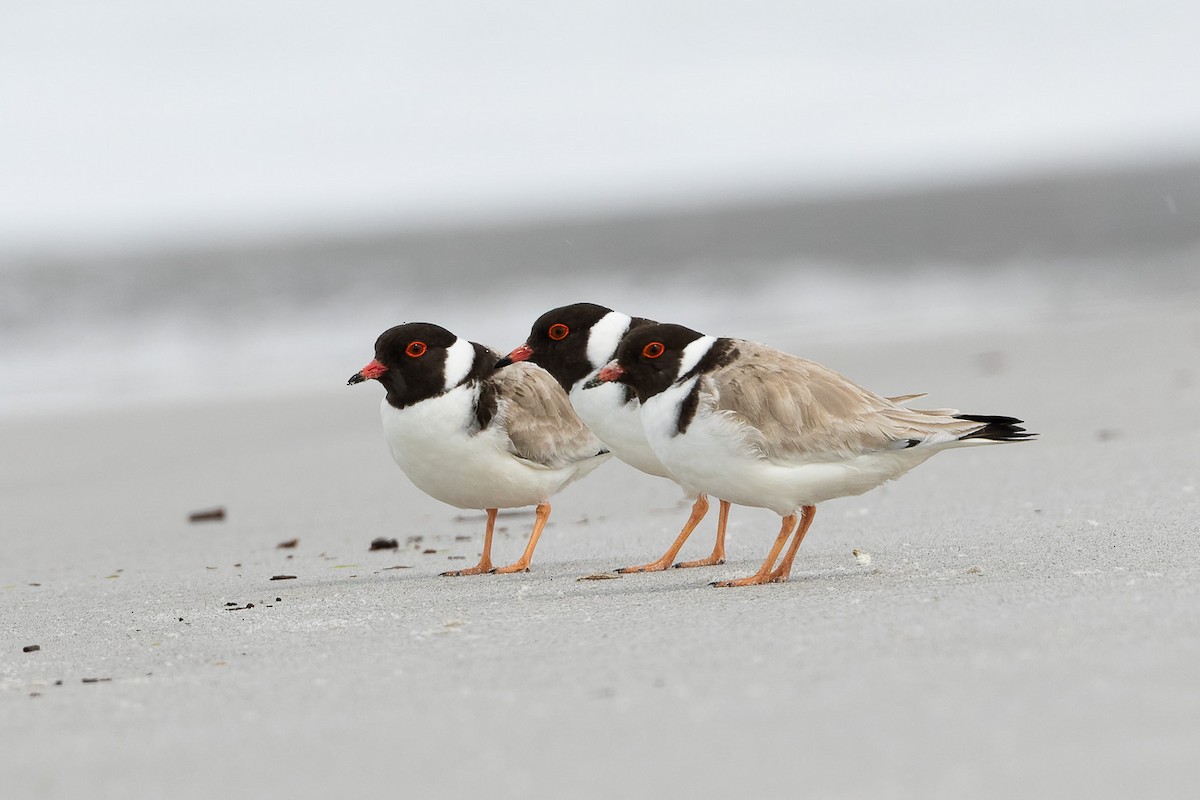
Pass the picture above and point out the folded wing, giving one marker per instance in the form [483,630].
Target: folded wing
[542,427]
[791,409]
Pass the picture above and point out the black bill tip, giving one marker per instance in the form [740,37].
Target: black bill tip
[355,378]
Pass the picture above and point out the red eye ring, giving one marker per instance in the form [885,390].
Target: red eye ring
[558,332]
[415,349]
[654,350]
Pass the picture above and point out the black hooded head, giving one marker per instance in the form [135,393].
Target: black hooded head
[650,357]
[413,360]
[558,342]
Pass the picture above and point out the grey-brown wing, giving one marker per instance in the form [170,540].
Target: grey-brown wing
[794,409]
[542,426]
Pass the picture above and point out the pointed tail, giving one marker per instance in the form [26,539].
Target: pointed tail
[995,429]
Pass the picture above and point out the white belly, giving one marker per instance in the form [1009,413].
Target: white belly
[617,424]
[713,457]
[431,444]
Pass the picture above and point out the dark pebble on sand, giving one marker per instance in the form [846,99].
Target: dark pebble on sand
[31,648]
[384,544]
[207,515]
[283,577]
[290,543]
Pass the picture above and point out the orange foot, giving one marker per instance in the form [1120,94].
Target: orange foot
[711,561]
[718,553]
[699,509]
[482,568]
[665,563]
[753,580]
[780,574]
[485,558]
[653,566]
[522,563]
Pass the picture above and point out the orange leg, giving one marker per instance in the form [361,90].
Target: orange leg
[764,572]
[781,573]
[485,561]
[699,509]
[718,553]
[522,564]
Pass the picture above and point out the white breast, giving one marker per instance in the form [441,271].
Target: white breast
[715,456]
[432,443]
[618,424]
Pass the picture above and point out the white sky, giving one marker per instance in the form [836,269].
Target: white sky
[135,120]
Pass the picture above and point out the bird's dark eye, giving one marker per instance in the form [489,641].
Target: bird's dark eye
[558,331]
[654,350]
[415,349]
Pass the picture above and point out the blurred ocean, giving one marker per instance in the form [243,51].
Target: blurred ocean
[299,314]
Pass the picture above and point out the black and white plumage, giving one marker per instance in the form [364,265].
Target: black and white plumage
[573,343]
[474,437]
[763,428]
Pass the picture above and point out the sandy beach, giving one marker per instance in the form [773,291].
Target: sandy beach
[210,211]
[1021,619]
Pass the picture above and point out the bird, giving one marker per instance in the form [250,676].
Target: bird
[763,428]
[573,343]
[474,437]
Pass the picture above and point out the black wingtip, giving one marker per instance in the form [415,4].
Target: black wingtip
[996,429]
